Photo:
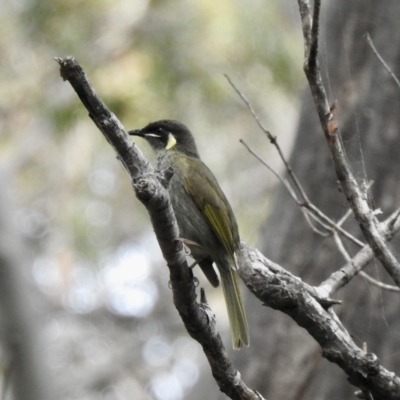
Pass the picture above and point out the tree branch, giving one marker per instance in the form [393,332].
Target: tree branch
[282,291]
[354,194]
[151,190]
[343,276]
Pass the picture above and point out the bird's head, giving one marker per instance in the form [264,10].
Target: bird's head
[168,135]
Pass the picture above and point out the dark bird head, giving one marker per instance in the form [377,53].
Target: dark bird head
[168,135]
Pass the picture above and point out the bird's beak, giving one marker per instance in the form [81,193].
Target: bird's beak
[136,132]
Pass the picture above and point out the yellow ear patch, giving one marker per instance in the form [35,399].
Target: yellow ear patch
[171,141]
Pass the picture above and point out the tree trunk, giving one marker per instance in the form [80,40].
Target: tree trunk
[283,361]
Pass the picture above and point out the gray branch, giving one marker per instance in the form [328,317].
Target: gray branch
[151,189]
[345,274]
[282,291]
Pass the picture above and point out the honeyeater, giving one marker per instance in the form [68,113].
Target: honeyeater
[205,218]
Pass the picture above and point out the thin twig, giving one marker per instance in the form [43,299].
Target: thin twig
[308,215]
[334,225]
[373,281]
[384,286]
[283,181]
[272,139]
[315,212]
[344,218]
[341,247]
[250,107]
[344,275]
[383,62]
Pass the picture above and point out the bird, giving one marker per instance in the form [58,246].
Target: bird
[207,224]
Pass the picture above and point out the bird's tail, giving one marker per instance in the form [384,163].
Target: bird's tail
[234,305]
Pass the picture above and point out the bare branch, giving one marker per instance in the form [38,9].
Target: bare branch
[253,256]
[341,247]
[333,225]
[371,280]
[314,211]
[273,140]
[250,107]
[282,291]
[308,215]
[283,181]
[344,218]
[379,57]
[198,320]
[384,286]
[341,277]
[311,210]
[354,194]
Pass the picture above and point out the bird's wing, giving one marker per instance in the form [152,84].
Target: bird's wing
[206,193]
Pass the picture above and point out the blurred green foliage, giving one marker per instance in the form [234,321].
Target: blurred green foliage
[148,60]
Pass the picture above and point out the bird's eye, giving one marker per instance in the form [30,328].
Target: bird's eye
[159,130]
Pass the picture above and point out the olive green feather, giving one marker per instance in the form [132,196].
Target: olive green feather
[211,201]
[234,305]
[213,204]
